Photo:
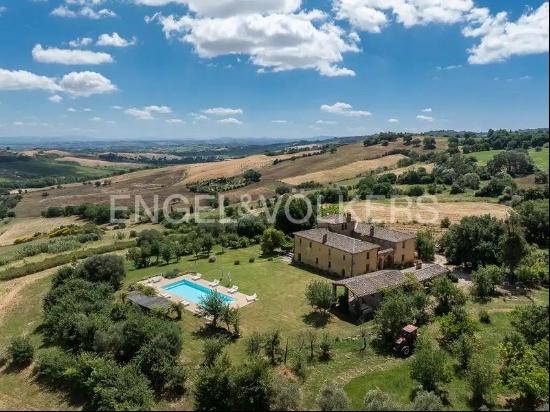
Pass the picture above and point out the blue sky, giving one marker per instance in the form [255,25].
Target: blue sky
[272,68]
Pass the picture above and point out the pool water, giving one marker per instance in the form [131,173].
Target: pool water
[192,292]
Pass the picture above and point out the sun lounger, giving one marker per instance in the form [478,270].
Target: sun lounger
[214,284]
[234,289]
[196,276]
[252,298]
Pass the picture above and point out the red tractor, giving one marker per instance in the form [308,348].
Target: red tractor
[404,344]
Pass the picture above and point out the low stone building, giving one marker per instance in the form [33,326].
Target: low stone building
[343,247]
[364,293]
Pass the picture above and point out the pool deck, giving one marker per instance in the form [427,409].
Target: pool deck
[240,298]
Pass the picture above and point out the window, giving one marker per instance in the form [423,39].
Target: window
[329,265]
[299,257]
[316,261]
[404,245]
[402,258]
[368,255]
[300,241]
[310,244]
[368,268]
[344,272]
[344,257]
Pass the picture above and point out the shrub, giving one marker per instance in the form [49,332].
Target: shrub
[237,262]
[427,401]
[416,191]
[51,366]
[446,223]
[21,351]
[484,317]
[252,260]
[376,400]
[332,398]
[287,395]
[430,367]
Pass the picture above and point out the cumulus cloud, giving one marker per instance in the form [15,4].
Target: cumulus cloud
[81,42]
[326,122]
[425,118]
[175,121]
[502,39]
[373,15]
[278,121]
[344,109]
[114,40]
[69,56]
[393,120]
[449,67]
[12,80]
[225,8]
[55,98]
[278,42]
[427,110]
[76,84]
[231,121]
[84,84]
[148,112]
[85,10]
[3,9]
[223,111]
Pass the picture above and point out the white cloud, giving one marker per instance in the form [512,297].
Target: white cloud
[279,121]
[69,56]
[425,118]
[55,98]
[3,9]
[198,116]
[393,120]
[361,14]
[117,107]
[175,121]
[502,39]
[87,109]
[326,122]
[230,120]
[344,109]
[223,111]
[81,42]
[83,84]
[373,15]
[226,8]
[277,42]
[427,110]
[24,80]
[148,112]
[96,119]
[84,12]
[114,40]
[72,110]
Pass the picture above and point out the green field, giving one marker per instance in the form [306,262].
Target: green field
[30,171]
[540,158]
[281,305]
[484,157]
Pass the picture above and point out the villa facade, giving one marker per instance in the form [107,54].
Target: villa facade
[345,248]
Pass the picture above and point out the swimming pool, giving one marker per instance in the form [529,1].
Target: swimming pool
[193,292]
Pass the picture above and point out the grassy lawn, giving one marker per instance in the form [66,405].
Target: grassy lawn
[397,382]
[540,158]
[280,288]
[484,157]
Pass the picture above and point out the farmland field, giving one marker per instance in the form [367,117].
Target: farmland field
[540,158]
[484,157]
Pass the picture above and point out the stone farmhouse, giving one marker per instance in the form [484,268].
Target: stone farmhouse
[345,248]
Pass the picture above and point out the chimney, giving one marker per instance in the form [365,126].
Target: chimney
[372,231]
[325,238]
[418,264]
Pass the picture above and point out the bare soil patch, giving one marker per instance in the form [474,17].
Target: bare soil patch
[82,161]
